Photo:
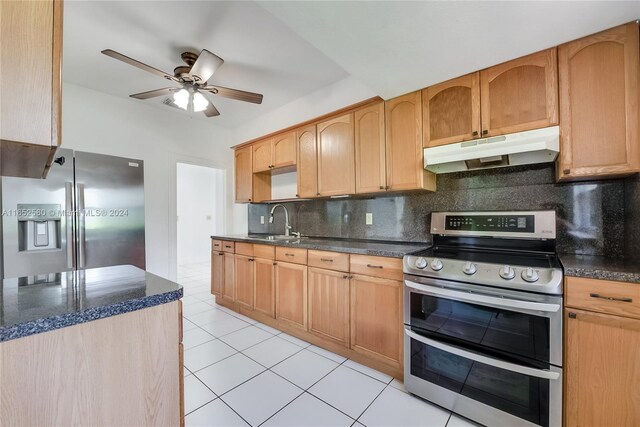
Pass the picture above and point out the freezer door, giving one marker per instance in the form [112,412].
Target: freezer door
[110,201]
[37,221]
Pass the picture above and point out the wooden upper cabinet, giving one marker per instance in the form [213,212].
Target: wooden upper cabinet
[599,105]
[30,85]
[602,369]
[451,111]
[405,159]
[520,95]
[307,161]
[336,161]
[262,155]
[284,150]
[243,174]
[370,160]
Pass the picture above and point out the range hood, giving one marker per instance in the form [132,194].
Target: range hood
[523,148]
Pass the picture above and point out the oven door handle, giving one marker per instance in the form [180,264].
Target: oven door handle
[478,298]
[525,370]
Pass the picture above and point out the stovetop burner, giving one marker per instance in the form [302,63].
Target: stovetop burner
[515,258]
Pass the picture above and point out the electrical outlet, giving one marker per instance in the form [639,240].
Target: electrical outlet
[261,219]
[368,218]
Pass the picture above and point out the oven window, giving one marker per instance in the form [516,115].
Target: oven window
[518,394]
[493,328]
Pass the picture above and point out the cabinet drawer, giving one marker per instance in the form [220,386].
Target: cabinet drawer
[377,266]
[228,246]
[329,260]
[216,245]
[603,296]
[264,251]
[294,255]
[244,248]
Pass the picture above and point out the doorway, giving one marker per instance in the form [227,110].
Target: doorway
[200,212]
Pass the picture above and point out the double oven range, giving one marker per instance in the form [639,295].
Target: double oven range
[483,318]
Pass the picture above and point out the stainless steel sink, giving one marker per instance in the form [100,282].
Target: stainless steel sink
[276,237]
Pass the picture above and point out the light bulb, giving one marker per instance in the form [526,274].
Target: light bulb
[181,98]
[199,102]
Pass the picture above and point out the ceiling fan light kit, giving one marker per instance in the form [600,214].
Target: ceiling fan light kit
[192,79]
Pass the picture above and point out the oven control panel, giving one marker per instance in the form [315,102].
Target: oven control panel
[496,223]
[513,224]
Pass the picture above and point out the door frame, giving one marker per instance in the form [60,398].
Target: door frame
[174,159]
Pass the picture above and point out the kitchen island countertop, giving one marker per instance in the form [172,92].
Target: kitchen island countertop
[364,247]
[35,304]
[602,268]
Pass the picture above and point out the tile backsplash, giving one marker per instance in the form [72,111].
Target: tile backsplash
[591,215]
[632,217]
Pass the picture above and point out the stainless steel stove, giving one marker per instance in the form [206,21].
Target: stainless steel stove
[483,318]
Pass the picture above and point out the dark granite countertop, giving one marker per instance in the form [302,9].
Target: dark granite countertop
[599,267]
[363,247]
[30,305]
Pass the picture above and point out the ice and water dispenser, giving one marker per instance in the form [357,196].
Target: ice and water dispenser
[39,227]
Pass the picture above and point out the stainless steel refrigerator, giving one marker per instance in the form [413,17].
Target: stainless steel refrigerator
[88,212]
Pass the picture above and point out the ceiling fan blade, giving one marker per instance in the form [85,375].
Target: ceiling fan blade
[239,95]
[204,67]
[211,110]
[154,93]
[142,66]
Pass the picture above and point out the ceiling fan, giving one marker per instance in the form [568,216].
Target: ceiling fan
[192,79]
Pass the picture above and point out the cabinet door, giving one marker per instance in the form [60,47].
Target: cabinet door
[243,174]
[520,95]
[307,162]
[262,155]
[228,290]
[244,280]
[376,318]
[370,149]
[405,159]
[329,305]
[451,111]
[599,104]
[217,273]
[602,369]
[284,150]
[264,291]
[291,293]
[336,162]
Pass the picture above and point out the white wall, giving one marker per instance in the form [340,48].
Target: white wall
[200,195]
[338,95]
[96,122]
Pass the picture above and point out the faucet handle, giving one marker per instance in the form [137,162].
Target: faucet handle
[296,233]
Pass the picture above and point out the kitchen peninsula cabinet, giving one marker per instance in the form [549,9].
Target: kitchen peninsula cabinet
[602,344]
[31,86]
[336,151]
[599,102]
[405,158]
[520,95]
[451,111]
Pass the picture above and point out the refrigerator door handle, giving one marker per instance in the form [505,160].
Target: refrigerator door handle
[68,223]
[81,226]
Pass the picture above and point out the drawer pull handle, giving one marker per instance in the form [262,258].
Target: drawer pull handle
[287,254]
[611,298]
[374,266]
[220,253]
[326,259]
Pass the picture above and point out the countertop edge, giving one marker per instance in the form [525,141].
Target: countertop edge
[328,247]
[600,268]
[46,324]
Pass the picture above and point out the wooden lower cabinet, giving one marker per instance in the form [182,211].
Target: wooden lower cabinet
[329,305]
[217,273]
[602,369]
[264,290]
[291,293]
[376,318]
[244,280]
[228,290]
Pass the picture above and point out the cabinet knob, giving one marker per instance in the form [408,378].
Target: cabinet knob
[317,194]
[297,195]
[387,188]
[566,171]
[485,132]
[475,133]
[381,187]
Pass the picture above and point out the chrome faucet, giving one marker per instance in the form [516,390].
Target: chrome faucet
[287,227]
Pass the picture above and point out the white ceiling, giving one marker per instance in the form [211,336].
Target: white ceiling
[395,47]
[261,53]
[288,49]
